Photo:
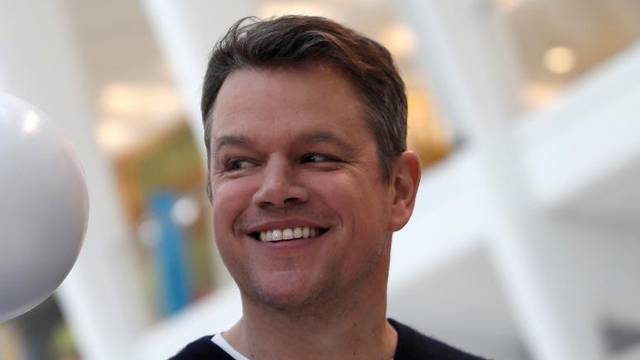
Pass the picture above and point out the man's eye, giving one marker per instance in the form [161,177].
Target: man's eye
[238,164]
[316,158]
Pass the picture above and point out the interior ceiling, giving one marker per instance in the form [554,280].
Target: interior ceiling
[593,29]
[119,47]
[120,53]
[117,43]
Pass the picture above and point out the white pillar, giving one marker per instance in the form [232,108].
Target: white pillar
[186,32]
[473,75]
[40,62]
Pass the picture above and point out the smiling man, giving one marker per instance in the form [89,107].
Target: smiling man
[309,176]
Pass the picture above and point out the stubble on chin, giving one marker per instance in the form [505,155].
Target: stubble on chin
[299,301]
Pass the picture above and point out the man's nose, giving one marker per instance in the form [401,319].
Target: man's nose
[280,187]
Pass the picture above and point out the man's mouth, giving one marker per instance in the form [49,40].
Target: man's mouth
[286,234]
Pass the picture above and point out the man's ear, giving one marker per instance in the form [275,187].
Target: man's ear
[405,179]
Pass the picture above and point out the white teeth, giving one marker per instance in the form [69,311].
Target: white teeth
[288,233]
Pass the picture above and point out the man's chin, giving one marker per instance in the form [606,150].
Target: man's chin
[289,299]
[283,299]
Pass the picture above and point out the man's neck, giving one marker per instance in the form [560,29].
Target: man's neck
[353,329]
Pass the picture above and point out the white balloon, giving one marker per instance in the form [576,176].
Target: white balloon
[43,207]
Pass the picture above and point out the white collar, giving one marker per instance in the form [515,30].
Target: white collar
[219,340]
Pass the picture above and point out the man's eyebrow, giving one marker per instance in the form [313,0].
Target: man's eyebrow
[317,137]
[231,140]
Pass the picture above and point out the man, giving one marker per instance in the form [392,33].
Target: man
[305,127]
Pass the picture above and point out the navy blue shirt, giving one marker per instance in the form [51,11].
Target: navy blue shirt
[412,345]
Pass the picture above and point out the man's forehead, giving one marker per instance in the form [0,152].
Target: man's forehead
[317,102]
[293,80]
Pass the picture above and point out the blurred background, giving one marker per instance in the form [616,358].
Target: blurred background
[525,239]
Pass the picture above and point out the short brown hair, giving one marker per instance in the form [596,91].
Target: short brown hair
[296,40]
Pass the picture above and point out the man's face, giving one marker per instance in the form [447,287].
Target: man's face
[292,157]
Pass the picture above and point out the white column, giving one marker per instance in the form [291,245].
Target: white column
[40,62]
[186,32]
[473,75]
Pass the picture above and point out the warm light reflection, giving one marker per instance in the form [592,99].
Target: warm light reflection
[426,134]
[31,122]
[506,5]
[399,39]
[537,94]
[279,8]
[114,135]
[560,60]
[140,100]
[135,112]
